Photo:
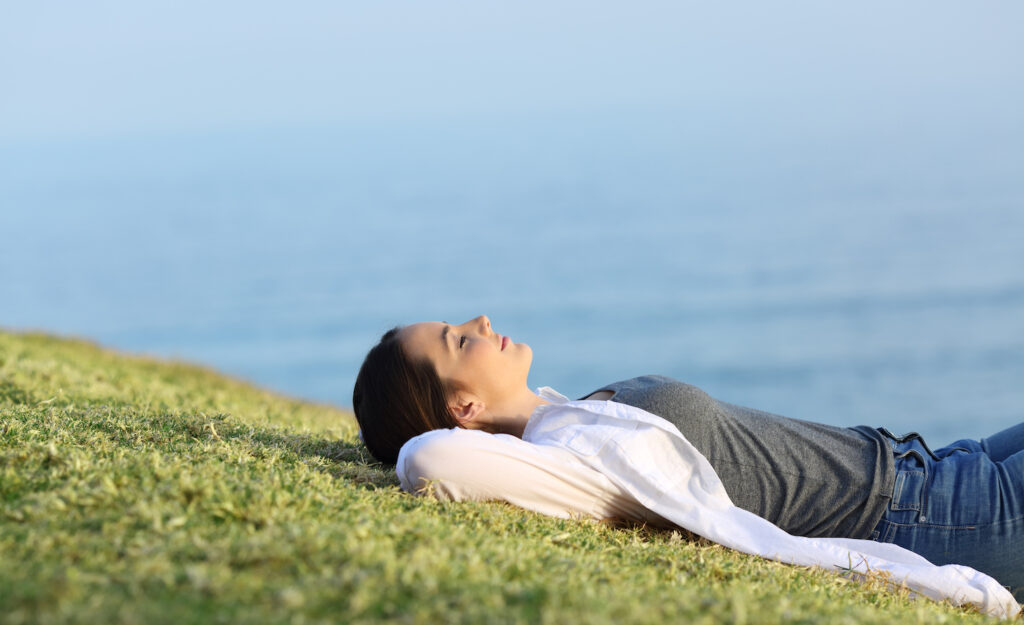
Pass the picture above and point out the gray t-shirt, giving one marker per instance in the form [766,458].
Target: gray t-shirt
[807,478]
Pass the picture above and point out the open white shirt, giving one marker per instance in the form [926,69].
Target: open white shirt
[604,459]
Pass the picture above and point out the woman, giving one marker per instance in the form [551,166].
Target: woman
[962,504]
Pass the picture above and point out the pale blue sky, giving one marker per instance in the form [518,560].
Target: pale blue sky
[121,68]
[833,190]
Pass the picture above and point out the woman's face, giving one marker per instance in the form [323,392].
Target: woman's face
[472,356]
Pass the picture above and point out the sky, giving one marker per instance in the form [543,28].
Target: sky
[120,68]
[260,186]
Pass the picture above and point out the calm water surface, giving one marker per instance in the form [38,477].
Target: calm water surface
[869,279]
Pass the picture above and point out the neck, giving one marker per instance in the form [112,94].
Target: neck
[512,415]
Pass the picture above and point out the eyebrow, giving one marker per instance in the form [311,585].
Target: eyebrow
[444,336]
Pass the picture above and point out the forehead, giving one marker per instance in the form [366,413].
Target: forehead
[423,339]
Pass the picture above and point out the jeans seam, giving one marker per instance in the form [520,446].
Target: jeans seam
[958,527]
[938,526]
[890,533]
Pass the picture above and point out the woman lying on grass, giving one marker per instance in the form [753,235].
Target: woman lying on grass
[449,404]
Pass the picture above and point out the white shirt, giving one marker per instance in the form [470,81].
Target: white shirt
[602,459]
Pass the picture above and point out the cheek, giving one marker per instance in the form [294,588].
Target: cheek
[485,363]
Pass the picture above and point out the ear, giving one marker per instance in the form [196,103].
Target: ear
[466,408]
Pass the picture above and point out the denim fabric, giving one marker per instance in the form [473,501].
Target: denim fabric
[962,504]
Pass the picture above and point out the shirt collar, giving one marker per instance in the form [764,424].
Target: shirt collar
[551,395]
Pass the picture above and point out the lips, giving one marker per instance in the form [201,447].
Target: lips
[504,342]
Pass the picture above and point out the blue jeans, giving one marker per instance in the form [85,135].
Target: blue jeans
[962,504]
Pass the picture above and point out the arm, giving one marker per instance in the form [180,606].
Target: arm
[469,465]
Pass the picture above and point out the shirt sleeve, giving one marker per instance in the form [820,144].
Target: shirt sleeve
[469,465]
[651,459]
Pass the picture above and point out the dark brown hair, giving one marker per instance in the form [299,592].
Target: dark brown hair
[396,398]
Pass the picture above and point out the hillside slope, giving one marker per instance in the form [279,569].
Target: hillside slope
[139,491]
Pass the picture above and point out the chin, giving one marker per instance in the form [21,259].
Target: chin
[529,351]
[528,355]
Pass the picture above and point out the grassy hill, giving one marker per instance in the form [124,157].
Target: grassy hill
[134,490]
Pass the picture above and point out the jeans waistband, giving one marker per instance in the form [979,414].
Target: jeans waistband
[901,444]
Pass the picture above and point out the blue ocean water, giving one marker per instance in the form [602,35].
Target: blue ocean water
[871,277]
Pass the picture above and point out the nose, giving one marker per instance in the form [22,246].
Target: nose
[482,324]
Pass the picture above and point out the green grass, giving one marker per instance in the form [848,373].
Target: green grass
[134,490]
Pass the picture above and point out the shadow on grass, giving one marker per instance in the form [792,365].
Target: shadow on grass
[347,460]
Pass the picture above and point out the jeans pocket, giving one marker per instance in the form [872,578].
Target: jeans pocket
[908,489]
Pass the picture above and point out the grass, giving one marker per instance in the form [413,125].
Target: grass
[134,490]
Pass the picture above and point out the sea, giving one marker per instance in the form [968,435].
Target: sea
[849,275]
